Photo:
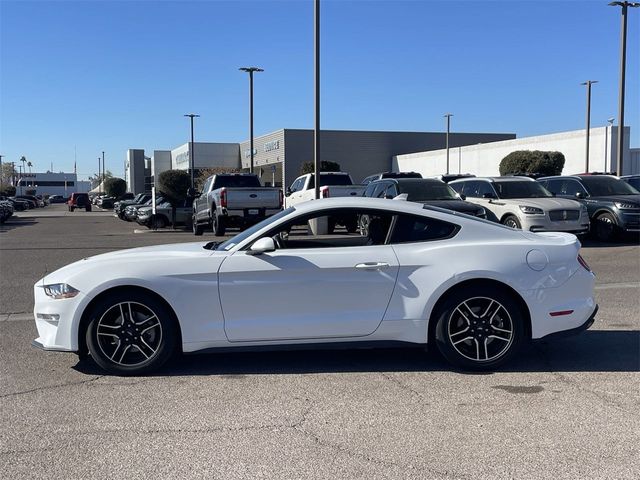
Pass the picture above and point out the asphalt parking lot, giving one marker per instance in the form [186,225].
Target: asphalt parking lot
[564,409]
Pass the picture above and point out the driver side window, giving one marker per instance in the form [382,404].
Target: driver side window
[297,185]
[571,187]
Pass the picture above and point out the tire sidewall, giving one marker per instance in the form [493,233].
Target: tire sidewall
[441,316]
[600,231]
[515,220]
[167,344]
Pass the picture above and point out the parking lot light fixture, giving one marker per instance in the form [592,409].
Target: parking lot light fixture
[191,149]
[588,83]
[448,117]
[623,60]
[250,71]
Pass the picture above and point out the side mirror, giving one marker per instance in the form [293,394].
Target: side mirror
[288,192]
[579,195]
[388,197]
[488,195]
[263,245]
[191,192]
[462,196]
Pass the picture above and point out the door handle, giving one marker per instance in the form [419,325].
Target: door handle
[372,265]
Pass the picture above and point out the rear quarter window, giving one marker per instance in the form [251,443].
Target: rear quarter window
[413,228]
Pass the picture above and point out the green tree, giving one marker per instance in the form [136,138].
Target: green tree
[325,166]
[532,162]
[173,184]
[115,187]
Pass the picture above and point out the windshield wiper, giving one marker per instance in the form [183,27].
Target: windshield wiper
[211,245]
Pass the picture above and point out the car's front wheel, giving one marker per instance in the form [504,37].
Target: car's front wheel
[479,328]
[131,333]
[512,221]
[605,227]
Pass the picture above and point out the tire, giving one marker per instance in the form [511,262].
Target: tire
[364,225]
[512,221]
[159,222]
[471,319]
[605,227]
[217,225]
[88,208]
[197,229]
[71,209]
[135,348]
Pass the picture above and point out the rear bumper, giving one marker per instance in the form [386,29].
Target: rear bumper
[574,331]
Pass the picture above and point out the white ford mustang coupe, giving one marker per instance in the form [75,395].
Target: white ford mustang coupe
[475,289]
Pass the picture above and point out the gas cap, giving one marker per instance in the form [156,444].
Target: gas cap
[537,260]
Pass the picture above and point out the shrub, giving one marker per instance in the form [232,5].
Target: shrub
[115,187]
[8,190]
[173,184]
[325,166]
[532,162]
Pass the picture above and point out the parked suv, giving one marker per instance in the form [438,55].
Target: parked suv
[613,204]
[383,175]
[79,200]
[520,202]
[428,191]
[633,180]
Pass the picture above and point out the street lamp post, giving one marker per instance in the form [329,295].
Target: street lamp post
[250,71]
[316,127]
[192,149]
[104,172]
[99,175]
[588,83]
[1,173]
[606,143]
[623,60]
[448,117]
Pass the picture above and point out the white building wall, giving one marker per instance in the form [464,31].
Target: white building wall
[207,155]
[634,160]
[160,162]
[484,159]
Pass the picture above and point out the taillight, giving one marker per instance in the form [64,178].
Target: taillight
[281,197]
[324,192]
[584,264]
[223,197]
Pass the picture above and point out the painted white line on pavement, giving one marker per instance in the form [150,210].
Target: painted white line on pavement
[610,286]
[16,317]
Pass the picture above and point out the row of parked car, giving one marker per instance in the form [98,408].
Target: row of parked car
[606,205]
[18,203]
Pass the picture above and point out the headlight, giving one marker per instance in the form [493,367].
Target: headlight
[626,206]
[60,290]
[531,210]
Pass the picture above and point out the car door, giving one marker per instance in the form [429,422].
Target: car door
[296,192]
[337,290]
[200,204]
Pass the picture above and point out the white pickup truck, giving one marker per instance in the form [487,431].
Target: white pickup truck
[233,200]
[332,184]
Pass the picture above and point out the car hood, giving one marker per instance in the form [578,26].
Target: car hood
[550,203]
[456,205]
[618,198]
[122,263]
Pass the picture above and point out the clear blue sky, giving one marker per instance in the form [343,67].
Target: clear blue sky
[108,75]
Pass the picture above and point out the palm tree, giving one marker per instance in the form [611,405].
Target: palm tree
[29,164]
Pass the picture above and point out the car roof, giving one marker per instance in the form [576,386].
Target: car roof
[361,202]
[410,180]
[494,179]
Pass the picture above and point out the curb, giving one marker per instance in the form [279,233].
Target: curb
[160,230]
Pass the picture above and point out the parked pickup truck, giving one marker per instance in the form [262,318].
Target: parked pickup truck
[332,184]
[233,200]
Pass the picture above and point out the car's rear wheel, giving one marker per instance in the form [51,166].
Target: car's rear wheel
[159,221]
[131,333]
[479,328]
[217,225]
[512,221]
[605,227]
[196,228]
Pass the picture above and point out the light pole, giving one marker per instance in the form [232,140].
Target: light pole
[316,127]
[99,175]
[104,172]
[191,149]
[606,142]
[1,174]
[448,117]
[250,70]
[623,60]
[588,83]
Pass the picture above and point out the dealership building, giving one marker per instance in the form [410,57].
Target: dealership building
[484,159]
[278,156]
[50,183]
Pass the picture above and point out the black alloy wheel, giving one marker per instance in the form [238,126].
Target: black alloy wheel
[512,221]
[605,227]
[479,328]
[131,333]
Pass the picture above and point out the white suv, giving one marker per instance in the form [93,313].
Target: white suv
[521,202]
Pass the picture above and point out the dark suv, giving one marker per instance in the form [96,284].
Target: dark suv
[613,205]
[79,200]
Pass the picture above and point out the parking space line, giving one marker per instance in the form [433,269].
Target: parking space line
[609,286]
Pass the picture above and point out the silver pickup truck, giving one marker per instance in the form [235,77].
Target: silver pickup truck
[233,200]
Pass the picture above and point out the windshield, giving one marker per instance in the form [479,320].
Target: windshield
[236,181]
[241,237]
[328,180]
[603,186]
[425,191]
[523,189]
